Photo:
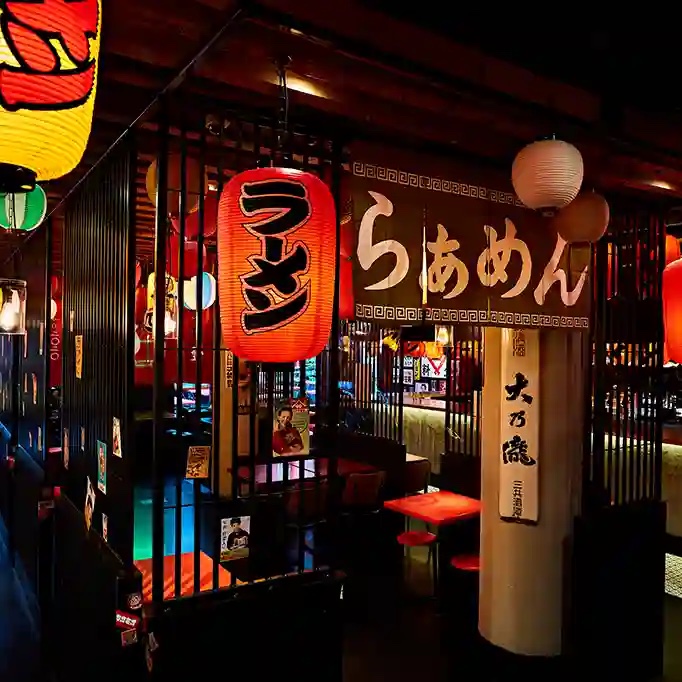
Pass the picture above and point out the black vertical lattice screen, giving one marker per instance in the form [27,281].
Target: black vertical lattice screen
[27,356]
[95,306]
[31,266]
[624,461]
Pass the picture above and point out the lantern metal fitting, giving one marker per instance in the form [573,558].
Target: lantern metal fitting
[12,307]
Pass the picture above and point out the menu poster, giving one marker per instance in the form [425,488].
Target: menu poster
[89,503]
[291,428]
[234,538]
[102,466]
[65,448]
[116,438]
[78,344]
[198,459]
[105,527]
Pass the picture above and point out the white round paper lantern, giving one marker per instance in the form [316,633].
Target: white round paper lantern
[548,174]
[584,220]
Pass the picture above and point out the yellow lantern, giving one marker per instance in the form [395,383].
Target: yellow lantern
[48,78]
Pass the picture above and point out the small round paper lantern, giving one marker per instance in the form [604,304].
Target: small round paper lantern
[140,304]
[192,220]
[47,93]
[672,309]
[190,263]
[547,174]
[346,298]
[276,258]
[24,210]
[193,185]
[55,287]
[208,292]
[347,244]
[414,349]
[672,249]
[585,219]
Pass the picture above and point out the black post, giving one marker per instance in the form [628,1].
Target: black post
[334,405]
[159,337]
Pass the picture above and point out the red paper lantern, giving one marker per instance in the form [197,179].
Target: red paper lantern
[138,273]
[190,265]
[346,298]
[347,245]
[276,257]
[140,304]
[672,309]
[192,220]
[672,249]
[414,349]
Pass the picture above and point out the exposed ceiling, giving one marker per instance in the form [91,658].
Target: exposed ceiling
[354,62]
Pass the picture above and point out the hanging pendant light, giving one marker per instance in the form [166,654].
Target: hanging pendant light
[12,307]
[548,174]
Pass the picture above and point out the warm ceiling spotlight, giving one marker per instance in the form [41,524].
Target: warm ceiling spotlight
[661,184]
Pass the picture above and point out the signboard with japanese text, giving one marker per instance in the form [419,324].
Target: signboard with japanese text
[520,426]
[489,260]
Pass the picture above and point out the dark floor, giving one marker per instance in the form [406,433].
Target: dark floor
[401,639]
[19,646]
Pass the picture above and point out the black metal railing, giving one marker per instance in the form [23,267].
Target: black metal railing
[623,462]
[97,343]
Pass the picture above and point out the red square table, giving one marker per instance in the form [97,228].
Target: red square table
[438,509]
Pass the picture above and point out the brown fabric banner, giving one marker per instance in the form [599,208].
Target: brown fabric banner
[489,260]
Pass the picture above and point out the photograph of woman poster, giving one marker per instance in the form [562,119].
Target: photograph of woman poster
[290,433]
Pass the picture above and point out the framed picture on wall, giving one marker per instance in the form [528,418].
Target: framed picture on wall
[291,428]
[235,534]
[102,466]
[89,507]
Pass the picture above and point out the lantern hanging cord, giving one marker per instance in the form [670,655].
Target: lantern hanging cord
[283,114]
[172,85]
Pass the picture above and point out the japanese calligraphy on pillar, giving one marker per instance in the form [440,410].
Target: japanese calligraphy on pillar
[490,260]
[519,427]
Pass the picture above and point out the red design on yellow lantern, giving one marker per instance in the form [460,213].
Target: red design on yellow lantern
[672,309]
[48,76]
[276,256]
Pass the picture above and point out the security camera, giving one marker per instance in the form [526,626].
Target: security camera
[216,125]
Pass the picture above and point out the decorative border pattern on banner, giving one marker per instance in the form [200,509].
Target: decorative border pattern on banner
[482,317]
[464,189]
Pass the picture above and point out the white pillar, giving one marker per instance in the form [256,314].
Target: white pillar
[523,567]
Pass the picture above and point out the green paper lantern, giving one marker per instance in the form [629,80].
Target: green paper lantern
[23,211]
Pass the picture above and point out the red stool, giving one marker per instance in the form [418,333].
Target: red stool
[465,584]
[471,563]
[422,538]
[416,538]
